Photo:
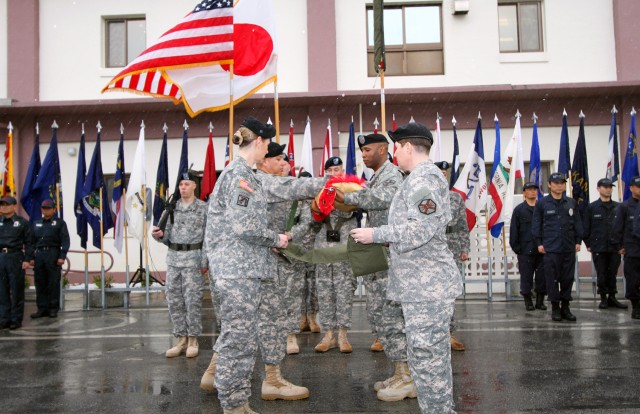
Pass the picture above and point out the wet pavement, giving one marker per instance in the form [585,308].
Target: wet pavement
[516,361]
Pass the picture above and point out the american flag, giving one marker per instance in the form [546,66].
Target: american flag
[204,37]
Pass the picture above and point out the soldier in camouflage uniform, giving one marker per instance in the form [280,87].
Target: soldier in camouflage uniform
[186,264]
[422,276]
[239,246]
[458,240]
[335,282]
[375,199]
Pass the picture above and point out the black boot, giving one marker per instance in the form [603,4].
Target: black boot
[566,312]
[613,302]
[555,312]
[635,313]
[540,302]
[528,303]
[39,314]
[604,303]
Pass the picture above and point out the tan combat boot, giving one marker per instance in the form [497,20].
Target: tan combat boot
[456,345]
[243,409]
[192,347]
[328,342]
[304,322]
[313,324]
[274,387]
[345,346]
[178,349]
[207,381]
[292,344]
[401,368]
[401,387]
[377,346]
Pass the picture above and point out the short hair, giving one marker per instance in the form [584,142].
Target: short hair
[244,136]
[420,144]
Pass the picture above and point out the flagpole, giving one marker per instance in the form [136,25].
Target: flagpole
[231,112]
[615,111]
[126,247]
[85,305]
[102,250]
[504,264]
[489,258]
[277,109]
[145,244]
[382,99]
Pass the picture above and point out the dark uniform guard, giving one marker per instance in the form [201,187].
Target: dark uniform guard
[16,250]
[522,244]
[628,244]
[51,242]
[557,231]
[598,221]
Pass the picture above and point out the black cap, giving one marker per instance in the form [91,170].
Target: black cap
[8,200]
[605,182]
[285,156]
[557,178]
[48,203]
[530,184]
[371,139]
[258,128]
[411,130]
[305,174]
[635,181]
[188,175]
[389,157]
[443,165]
[275,149]
[332,162]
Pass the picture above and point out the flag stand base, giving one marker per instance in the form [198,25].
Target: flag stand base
[140,276]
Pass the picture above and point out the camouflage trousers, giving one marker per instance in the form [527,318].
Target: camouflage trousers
[375,285]
[184,297]
[429,354]
[291,279]
[245,304]
[215,303]
[310,302]
[335,285]
[462,267]
[391,331]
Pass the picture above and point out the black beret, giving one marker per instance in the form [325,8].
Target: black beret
[305,174]
[285,157]
[443,165]
[371,139]
[605,182]
[8,200]
[332,162]
[275,149]
[48,203]
[189,176]
[635,181]
[258,128]
[529,185]
[411,130]
[557,178]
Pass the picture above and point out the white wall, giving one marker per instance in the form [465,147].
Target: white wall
[579,47]
[3,49]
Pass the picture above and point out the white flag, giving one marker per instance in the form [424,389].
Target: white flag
[436,149]
[135,201]
[306,160]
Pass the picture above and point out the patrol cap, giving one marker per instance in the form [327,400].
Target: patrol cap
[48,203]
[332,162]
[258,128]
[188,175]
[557,178]
[443,165]
[371,139]
[274,150]
[530,184]
[605,182]
[411,130]
[634,181]
[8,200]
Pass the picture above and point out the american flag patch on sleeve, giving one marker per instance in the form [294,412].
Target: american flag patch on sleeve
[246,185]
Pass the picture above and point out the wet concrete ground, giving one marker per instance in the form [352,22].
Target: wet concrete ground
[516,361]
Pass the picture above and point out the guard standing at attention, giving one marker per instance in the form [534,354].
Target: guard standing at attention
[51,242]
[628,244]
[557,231]
[186,264]
[16,250]
[598,222]
[522,244]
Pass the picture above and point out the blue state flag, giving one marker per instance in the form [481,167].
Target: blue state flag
[496,149]
[91,201]
[535,166]
[580,172]
[48,185]
[81,173]
[162,182]
[455,163]
[630,168]
[351,152]
[184,158]
[27,198]
[564,157]
[117,201]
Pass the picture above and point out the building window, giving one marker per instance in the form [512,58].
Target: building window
[520,26]
[125,39]
[413,40]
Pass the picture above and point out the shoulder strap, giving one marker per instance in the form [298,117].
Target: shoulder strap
[292,215]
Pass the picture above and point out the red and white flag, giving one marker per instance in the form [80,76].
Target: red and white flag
[436,150]
[306,160]
[209,175]
[291,151]
[327,151]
